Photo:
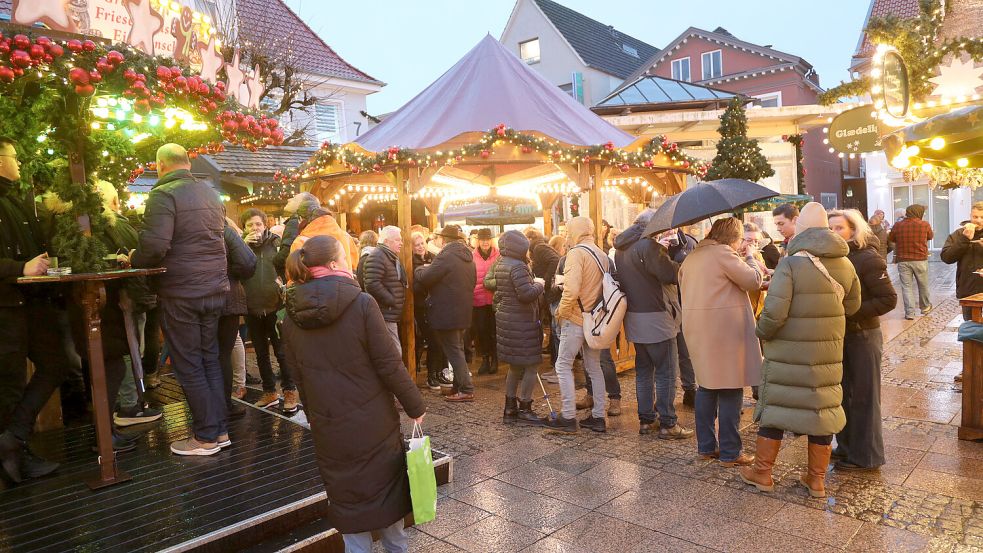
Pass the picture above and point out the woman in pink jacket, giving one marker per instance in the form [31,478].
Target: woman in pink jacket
[483,315]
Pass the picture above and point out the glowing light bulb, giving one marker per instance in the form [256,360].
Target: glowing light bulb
[937,143]
[962,162]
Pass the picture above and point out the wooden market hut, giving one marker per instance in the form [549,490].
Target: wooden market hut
[492,126]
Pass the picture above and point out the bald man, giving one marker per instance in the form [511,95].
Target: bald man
[183,232]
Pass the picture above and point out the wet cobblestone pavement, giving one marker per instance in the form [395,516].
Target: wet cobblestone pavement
[518,489]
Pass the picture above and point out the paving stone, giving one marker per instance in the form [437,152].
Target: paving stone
[494,535]
[602,534]
[585,492]
[814,524]
[452,516]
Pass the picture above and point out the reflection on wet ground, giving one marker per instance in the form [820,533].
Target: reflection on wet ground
[517,489]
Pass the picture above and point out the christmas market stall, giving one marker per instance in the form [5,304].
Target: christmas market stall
[927,117]
[489,127]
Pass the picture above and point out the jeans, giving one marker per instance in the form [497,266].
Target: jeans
[724,405]
[264,334]
[29,332]
[191,331]
[394,332]
[452,344]
[393,538]
[571,343]
[687,376]
[483,330]
[656,364]
[862,441]
[610,376]
[778,434]
[914,273]
[525,373]
[238,363]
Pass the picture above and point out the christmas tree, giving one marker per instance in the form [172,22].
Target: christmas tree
[738,156]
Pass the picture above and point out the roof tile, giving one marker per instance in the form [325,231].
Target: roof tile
[265,161]
[600,46]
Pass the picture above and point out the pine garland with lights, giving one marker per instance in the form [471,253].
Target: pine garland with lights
[738,157]
[112,106]
[337,154]
[916,42]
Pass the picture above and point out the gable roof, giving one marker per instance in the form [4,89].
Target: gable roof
[600,46]
[267,161]
[904,9]
[488,86]
[669,93]
[719,36]
[262,19]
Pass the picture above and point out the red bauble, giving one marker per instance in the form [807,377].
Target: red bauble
[609,146]
[95,77]
[129,93]
[4,46]
[21,42]
[500,131]
[142,106]
[56,51]
[85,89]
[18,72]
[485,154]
[648,163]
[586,159]
[42,40]
[36,51]
[526,150]
[181,83]
[114,57]
[377,168]
[163,73]
[273,123]
[6,74]
[103,66]
[74,45]
[623,168]
[394,150]
[88,46]
[20,59]
[230,126]
[175,72]
[130,75]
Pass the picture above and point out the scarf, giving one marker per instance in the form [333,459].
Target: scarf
[320,272]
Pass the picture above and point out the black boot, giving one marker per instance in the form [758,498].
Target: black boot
[433,379]
[527,417]
[485,367]
[10,455]
[494,364]
[33,466]
[511,413]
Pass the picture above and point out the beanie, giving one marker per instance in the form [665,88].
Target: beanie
[812,215]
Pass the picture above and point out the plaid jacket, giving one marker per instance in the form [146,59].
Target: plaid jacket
[911,237]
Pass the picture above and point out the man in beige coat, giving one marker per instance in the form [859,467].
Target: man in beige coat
[581,280]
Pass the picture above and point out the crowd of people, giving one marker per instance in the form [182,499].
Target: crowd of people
[796,321]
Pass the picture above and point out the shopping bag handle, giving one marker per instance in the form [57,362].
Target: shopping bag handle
[417,430]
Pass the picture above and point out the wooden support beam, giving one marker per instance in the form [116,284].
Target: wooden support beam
[594,199]
[404,219]
[548,199]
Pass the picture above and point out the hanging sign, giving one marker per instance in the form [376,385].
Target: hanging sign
[855,131]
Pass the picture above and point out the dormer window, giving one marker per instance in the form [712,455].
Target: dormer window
[629,50]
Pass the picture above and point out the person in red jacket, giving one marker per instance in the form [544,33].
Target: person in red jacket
[483,316]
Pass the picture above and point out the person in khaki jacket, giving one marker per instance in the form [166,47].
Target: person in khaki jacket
[581,280]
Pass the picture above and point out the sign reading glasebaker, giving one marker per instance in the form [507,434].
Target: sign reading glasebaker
[855,131]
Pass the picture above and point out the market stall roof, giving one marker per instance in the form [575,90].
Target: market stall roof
[488,86]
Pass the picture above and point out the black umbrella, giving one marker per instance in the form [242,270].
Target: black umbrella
[705,200]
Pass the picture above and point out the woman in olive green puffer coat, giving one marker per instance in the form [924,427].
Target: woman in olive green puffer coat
[802,328]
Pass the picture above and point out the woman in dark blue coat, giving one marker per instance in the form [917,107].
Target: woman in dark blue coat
[518,328]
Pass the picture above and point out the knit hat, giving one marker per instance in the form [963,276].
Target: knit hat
[915,211]
[812,215]
[484,234]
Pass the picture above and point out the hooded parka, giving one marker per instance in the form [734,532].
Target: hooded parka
[348,397]
[449,281]
[802,327]
[518,328]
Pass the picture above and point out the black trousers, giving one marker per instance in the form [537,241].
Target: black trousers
[29,332]
[778,434]
[151,341]
[862,439]
[483,330]
[264,334]
[191,332]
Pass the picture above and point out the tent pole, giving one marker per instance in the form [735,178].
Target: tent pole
[404,220]
[594,199]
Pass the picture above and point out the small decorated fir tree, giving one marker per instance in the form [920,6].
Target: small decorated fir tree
[738,156]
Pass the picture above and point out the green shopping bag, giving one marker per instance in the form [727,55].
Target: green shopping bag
[423,483]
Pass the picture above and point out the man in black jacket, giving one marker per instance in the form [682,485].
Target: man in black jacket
[450,281]
[27,325]
[649,278]
[192,291]
[679,248]
[963,248]
[385,278]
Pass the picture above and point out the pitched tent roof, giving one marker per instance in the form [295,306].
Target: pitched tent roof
[668,93]
[600,46]
[262,21]
[488,86]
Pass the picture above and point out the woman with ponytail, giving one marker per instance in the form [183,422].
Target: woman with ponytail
[348,369]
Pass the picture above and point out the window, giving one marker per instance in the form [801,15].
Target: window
[680,69]
[327,121]
[629,50]
[529,51]
[712,65]
[568,88]
[828,199]
[770,100]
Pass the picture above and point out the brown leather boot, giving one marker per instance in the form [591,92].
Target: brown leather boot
[759,473]
[815,476]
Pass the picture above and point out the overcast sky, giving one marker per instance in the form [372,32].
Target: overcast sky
[409,43]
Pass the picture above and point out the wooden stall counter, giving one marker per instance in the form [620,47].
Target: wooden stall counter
[971,425]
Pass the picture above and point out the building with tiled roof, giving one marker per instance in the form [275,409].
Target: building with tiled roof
[903,9]
[583,56]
